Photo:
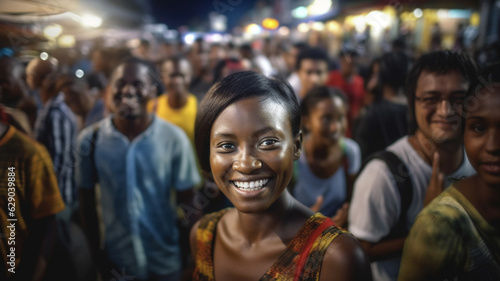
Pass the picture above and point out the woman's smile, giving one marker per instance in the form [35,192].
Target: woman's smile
[252,152]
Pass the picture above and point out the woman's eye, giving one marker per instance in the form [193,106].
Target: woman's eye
[227,146]
[478,128]
[268,142]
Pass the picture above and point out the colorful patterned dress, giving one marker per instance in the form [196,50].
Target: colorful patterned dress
[301,260]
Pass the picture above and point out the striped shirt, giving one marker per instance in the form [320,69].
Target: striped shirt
[56,129]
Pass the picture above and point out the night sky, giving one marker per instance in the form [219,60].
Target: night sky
[181,12]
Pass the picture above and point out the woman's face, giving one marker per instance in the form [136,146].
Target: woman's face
[482,135]
[252,150]
[327,121]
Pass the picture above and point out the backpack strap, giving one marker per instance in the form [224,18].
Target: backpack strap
[402,178]
[93,141]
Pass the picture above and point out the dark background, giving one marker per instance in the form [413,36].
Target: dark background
[195,12]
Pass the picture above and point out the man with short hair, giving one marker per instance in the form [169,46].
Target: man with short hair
[16,107]
[312,69]
[350,83]
[138,160]
[36,71]
[176,105]
[56,128]
[433,155]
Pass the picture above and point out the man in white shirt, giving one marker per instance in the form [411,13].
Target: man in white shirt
[433,154]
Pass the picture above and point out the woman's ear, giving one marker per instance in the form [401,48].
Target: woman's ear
[297,148]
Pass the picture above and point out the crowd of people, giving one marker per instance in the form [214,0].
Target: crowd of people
[270,161]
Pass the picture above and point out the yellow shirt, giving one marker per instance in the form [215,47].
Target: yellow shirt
[183,117]
[27,176]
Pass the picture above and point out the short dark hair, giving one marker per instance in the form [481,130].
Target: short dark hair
[348,50]
[489,76]
[318,94]
[153,76]
[231,89]
[144,42]
[394,68]
[312,53]
[438,62]
[66,80]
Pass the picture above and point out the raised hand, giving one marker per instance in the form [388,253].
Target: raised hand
[436,184]
[319,201]
[340,218]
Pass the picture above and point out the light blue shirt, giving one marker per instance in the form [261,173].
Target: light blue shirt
[136,179]
[333,188]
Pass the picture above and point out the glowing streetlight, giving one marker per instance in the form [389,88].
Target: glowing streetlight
[319,7]
[189,39]
[303,27]
[79,73]
[318,26]
[67,41]
[418,13]
[270,23]
[91,20]
[253,29]
[299,12]
[284,31]
[44,56]
[52,31]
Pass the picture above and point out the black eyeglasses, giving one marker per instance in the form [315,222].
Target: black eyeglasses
[432,101]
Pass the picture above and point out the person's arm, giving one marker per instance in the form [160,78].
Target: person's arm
[45,201]
[374,210]
[384,249]
[345,260]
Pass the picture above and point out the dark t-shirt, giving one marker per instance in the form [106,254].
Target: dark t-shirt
[383,123]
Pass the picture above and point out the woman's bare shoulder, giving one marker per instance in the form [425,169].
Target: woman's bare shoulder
[345,259]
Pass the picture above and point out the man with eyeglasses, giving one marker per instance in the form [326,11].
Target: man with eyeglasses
[430,158]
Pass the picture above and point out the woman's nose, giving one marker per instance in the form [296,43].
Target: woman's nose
[246,163]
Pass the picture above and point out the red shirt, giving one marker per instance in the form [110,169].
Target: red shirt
[354,91]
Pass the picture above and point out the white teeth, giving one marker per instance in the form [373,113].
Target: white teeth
[251,186]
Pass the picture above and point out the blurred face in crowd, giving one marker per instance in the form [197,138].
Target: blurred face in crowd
[176,76]
[169,50]
[348,65]
[327,121]
[78,98]
[482,135]
[37,70]
[312,73]
[252,149]
[131,90]
[12,87]
[437,105]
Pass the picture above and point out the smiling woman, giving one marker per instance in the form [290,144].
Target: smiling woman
[247,136]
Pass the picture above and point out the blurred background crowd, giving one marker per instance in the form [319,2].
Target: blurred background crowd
[62,54]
